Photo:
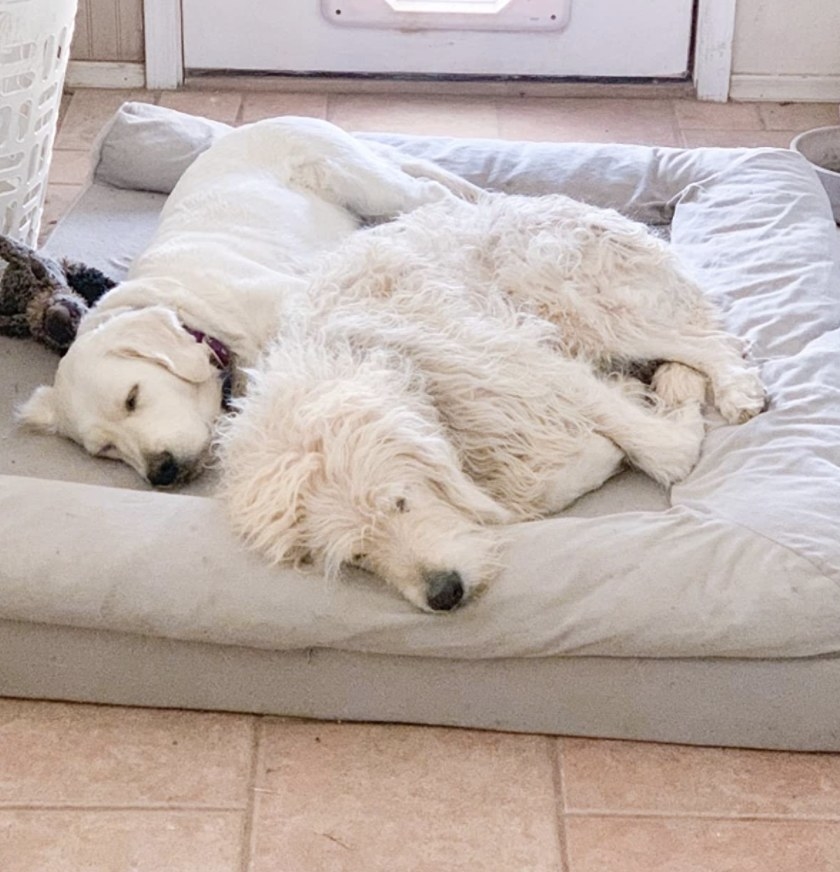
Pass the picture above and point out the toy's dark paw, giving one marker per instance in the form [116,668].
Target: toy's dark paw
[88,281]
[61,321]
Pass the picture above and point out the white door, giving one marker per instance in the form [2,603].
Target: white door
[554,38]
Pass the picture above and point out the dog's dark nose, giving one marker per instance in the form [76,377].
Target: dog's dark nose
[163,470]
[444,590]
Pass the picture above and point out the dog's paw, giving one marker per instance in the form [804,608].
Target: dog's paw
[677,461]
[464,190]
[672,449]
[448,187]
[676,384]
[425,191]
[742,398]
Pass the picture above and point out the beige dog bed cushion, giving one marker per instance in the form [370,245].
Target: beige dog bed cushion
[734,573]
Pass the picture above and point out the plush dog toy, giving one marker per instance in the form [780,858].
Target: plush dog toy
[44,298]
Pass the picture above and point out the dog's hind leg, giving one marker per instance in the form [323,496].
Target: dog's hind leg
[736,387]
[424,169]
[665,446]
[374,181]
[373,187]
[598,460]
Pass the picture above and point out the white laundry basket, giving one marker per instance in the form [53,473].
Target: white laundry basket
[34,45]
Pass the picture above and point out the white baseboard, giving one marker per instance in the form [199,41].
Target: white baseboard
[778,88]
[105,74]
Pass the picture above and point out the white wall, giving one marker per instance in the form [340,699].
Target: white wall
[786,50]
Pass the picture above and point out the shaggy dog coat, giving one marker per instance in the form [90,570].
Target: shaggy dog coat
[448,372]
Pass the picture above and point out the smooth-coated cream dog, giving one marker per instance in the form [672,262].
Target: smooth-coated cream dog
[238,237]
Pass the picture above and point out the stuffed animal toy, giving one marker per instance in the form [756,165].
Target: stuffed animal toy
[44,298]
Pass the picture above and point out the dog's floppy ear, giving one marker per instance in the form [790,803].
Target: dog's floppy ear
[155,334]
[267,510]
[39,411]
[456,487]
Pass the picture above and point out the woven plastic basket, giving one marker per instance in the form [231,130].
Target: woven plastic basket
[34,45]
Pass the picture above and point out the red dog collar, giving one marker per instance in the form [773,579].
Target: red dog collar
[221,353]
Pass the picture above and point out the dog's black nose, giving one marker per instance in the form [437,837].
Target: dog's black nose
[163,470]
[444,590]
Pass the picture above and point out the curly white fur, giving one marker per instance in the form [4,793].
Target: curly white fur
[447,374]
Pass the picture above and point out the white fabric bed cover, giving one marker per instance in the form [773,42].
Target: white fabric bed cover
[742,559]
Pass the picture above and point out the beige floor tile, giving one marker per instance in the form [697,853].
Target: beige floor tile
[70,167]
[738,138]
[799,116]
[59,199]
[89,111]
[119,841]
[731,116]
[256,106]
[684,845]
[220,106]
[364,798]
[431,116]
[57,754]
[644,122]
[639,777]
[64,105]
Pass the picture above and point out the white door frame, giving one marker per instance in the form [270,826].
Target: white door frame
[712,49]
[713,43]
[163,43]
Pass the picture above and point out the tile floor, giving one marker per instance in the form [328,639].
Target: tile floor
[110,790]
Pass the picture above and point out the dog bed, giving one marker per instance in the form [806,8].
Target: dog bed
[708,615]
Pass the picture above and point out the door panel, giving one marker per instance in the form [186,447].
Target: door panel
[586,38]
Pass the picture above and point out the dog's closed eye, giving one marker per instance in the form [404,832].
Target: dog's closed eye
[131,399]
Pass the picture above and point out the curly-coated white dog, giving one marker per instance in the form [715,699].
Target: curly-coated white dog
[448,372]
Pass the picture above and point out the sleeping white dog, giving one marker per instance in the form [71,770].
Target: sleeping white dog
[238,237]
[446,374]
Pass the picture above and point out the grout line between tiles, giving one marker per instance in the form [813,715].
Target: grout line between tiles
[707,816]
[497,116]
[118,28]
[247,835]
[89,22]
[560,801]
[329,107]
[240,110]
[762,120]
[676,127]
[152,808]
